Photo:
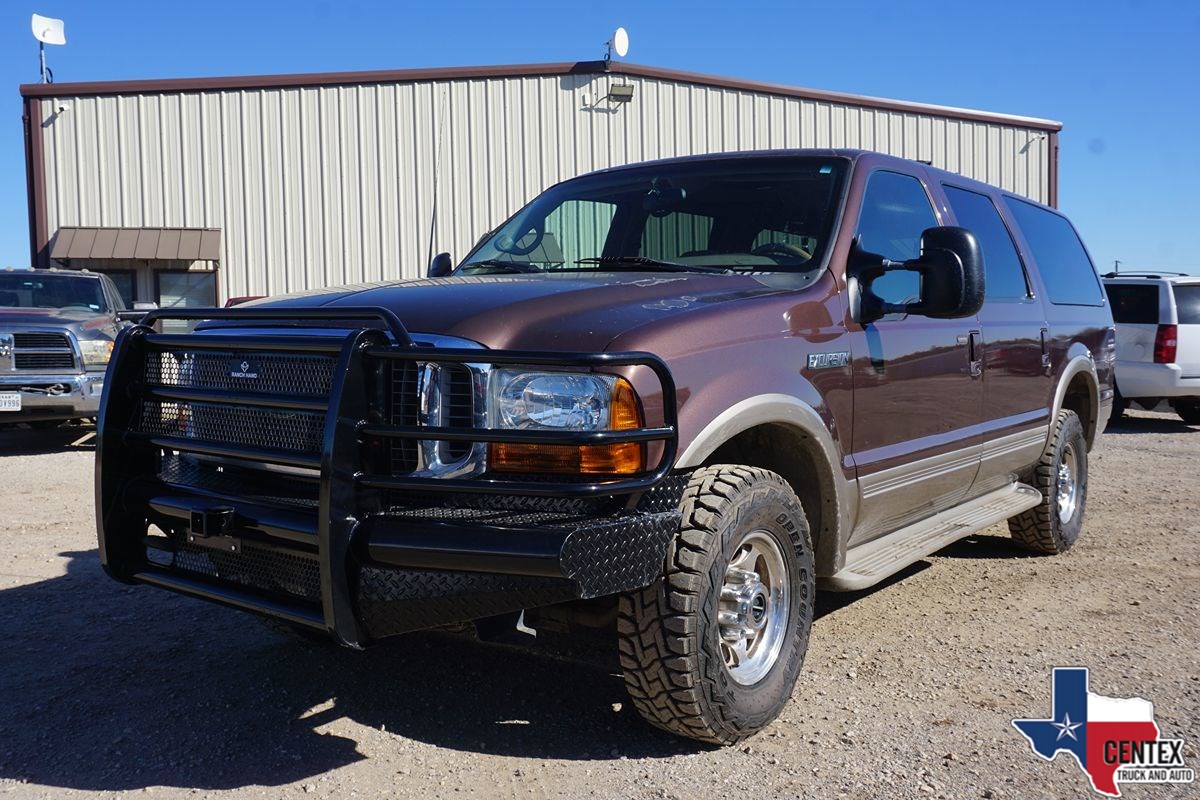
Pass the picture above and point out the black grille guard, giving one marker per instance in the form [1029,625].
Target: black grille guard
[128,496]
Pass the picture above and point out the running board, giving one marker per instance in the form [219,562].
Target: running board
[871,562]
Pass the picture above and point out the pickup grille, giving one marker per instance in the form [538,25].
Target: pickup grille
[38,350]
[34,340]
[43,361]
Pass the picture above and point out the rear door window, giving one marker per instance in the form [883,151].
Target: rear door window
[1004,277]
[1064,265]
[1133,305]
[1187,304]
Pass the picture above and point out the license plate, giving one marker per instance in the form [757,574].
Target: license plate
[10,401]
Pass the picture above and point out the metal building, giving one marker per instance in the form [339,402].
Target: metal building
[191,191]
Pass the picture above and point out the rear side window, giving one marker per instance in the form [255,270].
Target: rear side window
[1187,303]
[1066,269]
[1133,305]
[1004,277]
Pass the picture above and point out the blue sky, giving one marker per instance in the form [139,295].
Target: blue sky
[1120,74]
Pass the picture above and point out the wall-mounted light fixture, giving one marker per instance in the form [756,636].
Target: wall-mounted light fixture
[620,93]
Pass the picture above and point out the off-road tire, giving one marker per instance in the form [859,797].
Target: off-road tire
[668,636]
[1040,529]
[1188,409]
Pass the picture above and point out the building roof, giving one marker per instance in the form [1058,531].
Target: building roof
[168,85]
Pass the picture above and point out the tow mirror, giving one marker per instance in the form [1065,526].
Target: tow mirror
[440,266]
[951,270]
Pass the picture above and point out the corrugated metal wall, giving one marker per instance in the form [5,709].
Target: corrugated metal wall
[323,186]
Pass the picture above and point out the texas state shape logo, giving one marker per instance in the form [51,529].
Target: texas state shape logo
[1115,740]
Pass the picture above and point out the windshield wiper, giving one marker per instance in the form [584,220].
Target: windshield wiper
[650,264]
[504,266]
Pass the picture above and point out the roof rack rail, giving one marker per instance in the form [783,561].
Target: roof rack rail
[1146,273]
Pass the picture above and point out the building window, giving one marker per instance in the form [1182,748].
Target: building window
[126,282]
[190,289]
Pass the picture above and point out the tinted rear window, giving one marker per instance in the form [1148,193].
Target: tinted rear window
[1187,303]
[1066,269]
[1137,305]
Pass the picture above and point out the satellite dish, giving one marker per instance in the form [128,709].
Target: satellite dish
[48,30]
[620,41]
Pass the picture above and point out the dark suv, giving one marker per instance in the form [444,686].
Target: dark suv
[662,404]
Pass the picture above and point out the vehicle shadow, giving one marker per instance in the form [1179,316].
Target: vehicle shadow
[828,602]
[20,441]
[981,547]
[111,687]
[1156,424]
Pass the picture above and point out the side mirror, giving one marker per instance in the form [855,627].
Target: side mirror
[440,267]
[951,270]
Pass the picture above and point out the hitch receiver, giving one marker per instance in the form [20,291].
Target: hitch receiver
[211,527]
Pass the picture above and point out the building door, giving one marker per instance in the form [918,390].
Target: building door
[917,401]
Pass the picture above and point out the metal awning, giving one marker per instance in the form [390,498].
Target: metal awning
[147,244]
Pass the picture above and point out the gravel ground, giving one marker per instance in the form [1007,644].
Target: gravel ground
[908,690]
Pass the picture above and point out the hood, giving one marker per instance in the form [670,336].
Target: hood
[545,312]
[59,317]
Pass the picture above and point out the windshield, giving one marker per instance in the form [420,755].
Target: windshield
[31,290]
[746,214]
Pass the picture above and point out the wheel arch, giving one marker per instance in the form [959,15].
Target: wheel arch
[783,434]
[1078,390]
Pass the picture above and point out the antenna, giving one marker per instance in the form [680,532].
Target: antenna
[619,44]
[47,30]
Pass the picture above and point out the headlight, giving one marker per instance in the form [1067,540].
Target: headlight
[96,352]
[550,400]
[563,401]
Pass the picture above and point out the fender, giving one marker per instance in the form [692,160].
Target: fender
[1080,360]
[784,409]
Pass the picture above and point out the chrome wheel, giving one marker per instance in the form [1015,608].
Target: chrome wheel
[1068,488]
[753,615]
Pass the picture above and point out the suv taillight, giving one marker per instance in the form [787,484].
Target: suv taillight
[1165,342]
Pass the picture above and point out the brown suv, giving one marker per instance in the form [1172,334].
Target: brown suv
[662,404]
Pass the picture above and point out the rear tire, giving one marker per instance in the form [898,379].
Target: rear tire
[712,649]
[1052,526]
[1188,409]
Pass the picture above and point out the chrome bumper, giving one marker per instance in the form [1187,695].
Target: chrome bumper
[53,396]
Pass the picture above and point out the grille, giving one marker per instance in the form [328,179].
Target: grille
[270,570]
[296,431]
[458,409]
[404,412]
[273,373]
[43,360]
[34,341]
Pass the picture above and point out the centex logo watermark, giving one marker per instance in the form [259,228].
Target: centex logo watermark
[1115,740]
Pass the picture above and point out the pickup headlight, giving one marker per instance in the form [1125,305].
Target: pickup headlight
[563,401]
[96,352]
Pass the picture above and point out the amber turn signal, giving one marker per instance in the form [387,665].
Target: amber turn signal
[628,458]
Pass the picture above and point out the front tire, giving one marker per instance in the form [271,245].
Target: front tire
[712,649]
[1052,526]
[1188,409]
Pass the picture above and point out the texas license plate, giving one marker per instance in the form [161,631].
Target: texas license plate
[10,401]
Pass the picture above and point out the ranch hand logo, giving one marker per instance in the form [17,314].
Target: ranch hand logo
[242,370]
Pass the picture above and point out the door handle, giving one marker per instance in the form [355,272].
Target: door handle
[974,354]
[1045,351]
